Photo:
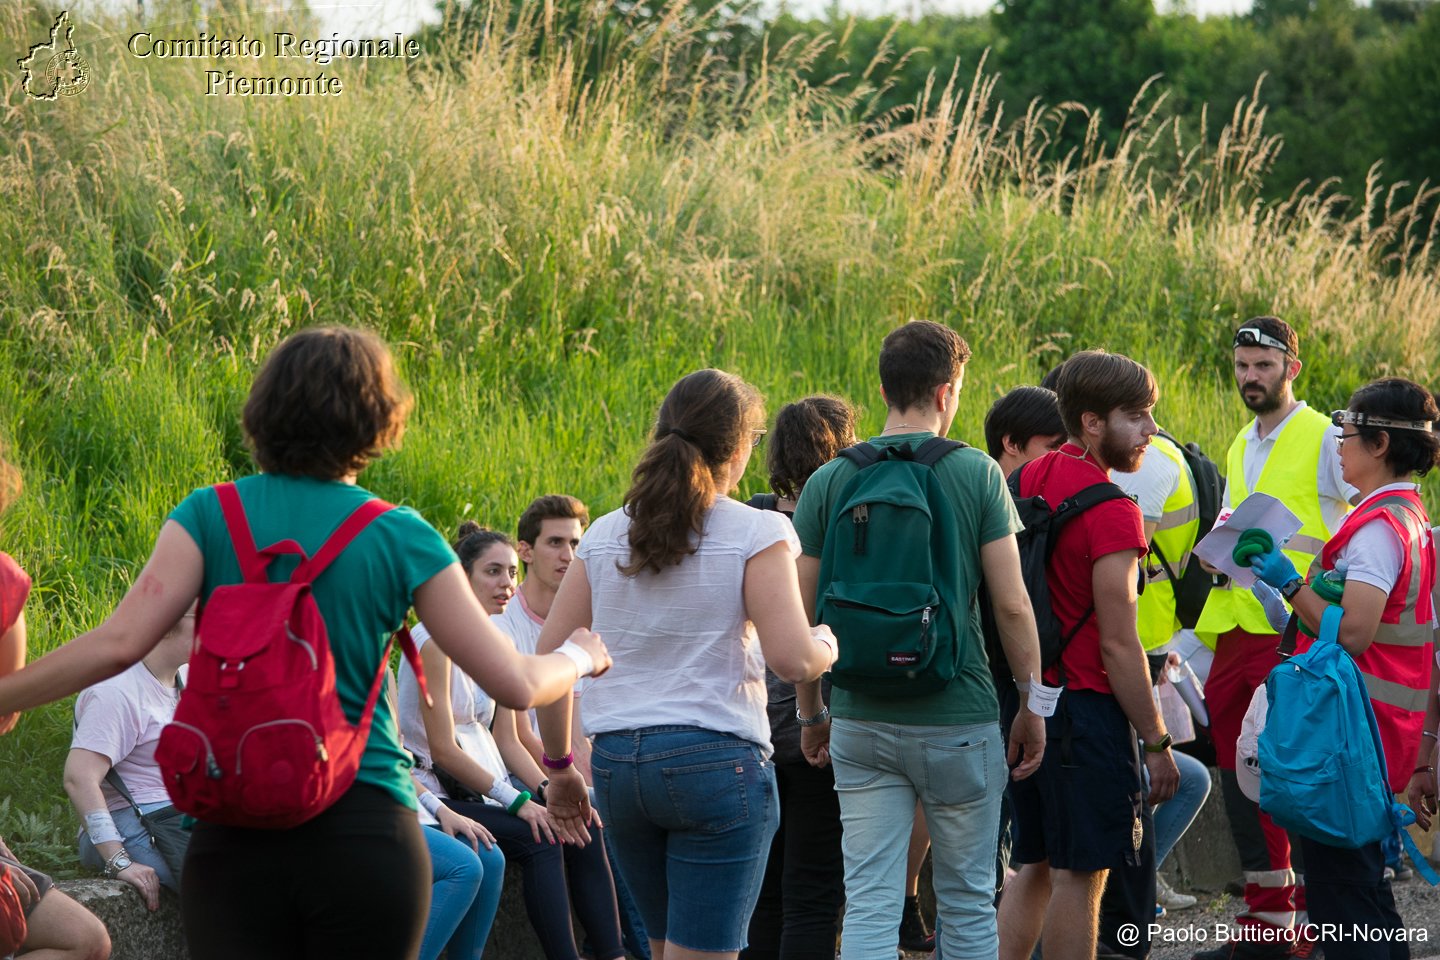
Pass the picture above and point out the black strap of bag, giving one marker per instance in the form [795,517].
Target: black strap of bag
[167,836]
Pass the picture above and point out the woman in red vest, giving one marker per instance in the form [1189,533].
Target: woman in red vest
[1385,557]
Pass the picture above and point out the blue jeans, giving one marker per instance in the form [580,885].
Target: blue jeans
[1174,816]
[958,773]
[137,844]
[464,898]
[691,813]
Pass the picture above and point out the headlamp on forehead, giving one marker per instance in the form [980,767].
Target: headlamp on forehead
[1255,337]
[1341,417]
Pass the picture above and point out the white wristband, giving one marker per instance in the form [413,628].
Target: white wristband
[579,656]
[431,803]
[502,793]
[101,827]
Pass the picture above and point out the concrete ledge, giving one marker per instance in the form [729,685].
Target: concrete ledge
[135,933]
[1205,859]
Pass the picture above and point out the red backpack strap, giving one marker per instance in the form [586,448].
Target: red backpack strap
[310,569]
[412,654]
[253,563]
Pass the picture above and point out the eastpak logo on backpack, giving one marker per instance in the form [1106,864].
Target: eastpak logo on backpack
[889,572]
[259,737]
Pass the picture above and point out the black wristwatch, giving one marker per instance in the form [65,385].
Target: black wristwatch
[1159,746]
[1289,590]
[540,791]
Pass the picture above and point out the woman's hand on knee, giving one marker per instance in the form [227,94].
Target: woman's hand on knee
[464,829]
[542,828]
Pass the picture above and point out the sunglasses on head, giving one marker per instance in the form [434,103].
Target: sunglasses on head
[1341,417]
[1255,337]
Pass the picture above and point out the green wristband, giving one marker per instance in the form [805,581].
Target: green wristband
[518,802]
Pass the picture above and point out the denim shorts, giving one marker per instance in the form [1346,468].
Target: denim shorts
[690,813]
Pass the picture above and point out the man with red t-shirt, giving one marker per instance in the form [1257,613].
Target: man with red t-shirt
[1080,814]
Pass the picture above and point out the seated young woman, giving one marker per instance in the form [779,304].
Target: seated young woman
[454,735]
[468,871]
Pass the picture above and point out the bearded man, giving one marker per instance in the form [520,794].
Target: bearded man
[1082,813]
[1290,452]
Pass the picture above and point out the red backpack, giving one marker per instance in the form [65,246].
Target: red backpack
[259,738]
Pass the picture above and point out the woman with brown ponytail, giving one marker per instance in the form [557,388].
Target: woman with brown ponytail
[688,587]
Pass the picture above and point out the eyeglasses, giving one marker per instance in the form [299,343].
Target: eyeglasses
[1341,417]
[1255,337]
[1340,440]
[756,436]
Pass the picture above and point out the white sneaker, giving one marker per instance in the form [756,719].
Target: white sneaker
[1170,899]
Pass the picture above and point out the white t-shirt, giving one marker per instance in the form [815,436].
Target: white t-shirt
[472,709]
[1151,485]
[1375,554]
[121,719]
[684,650]
[1335,493]
[518,622]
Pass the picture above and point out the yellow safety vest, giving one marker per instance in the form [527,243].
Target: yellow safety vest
[1175,536]
[1292,475]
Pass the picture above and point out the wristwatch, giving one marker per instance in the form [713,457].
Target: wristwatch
[115,864]
[1159,746]
[819,718]
[1289,590]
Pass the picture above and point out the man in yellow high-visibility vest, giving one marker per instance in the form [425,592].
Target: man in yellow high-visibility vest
[1287,451]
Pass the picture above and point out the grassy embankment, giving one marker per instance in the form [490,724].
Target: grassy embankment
[548,256]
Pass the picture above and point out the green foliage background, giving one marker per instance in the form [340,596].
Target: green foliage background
[550,228]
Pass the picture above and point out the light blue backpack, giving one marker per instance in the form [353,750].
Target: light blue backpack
[1322,766]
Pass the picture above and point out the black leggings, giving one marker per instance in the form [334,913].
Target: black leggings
[352,883]
[545,868]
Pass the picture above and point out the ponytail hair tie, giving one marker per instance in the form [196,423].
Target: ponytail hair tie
[679,433]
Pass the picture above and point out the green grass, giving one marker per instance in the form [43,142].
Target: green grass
[548,256]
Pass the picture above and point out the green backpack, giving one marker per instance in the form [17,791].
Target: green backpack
[889,573]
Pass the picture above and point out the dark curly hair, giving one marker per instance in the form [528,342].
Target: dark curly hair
[808,434]
[325,404]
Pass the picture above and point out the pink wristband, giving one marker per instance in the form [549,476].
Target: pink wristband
[560,764]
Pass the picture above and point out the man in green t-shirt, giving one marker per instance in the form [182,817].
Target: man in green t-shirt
[942,748]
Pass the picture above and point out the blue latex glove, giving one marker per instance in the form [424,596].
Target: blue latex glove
[1274,568]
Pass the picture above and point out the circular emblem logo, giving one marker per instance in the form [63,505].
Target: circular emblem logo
[69,72]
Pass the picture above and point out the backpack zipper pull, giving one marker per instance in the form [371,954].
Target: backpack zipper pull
[320,752]
[860,519]
[925,629]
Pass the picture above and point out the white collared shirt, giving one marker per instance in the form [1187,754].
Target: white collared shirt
[1335,493]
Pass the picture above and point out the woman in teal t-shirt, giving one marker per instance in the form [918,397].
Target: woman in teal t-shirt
[354,880]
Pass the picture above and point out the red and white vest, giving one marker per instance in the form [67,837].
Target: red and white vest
[1396,666]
